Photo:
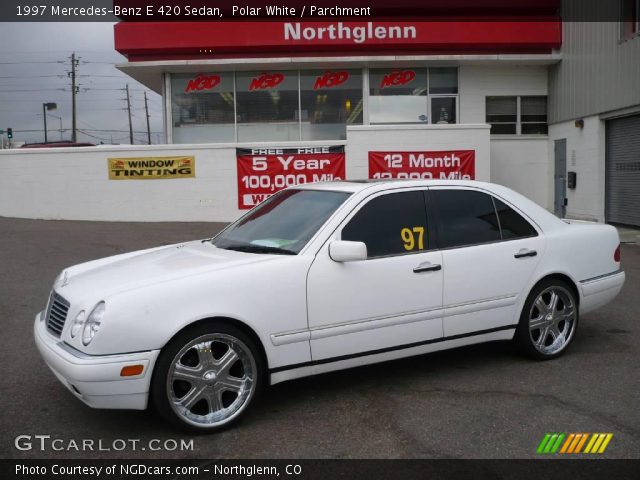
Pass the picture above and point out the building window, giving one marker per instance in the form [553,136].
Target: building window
[398,95]
[630,19]
[267,106]
[517,115]
[330,100]
[413,95]
[202,108]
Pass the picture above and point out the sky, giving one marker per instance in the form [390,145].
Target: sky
[34,61]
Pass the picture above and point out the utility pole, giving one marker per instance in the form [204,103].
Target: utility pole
[44,114]
[129,111]
[74,91]
[146,109]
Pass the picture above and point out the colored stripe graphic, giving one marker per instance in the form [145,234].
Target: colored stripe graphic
[543,443]
[551,442]
[598,443]
[582,441]
[573,443]
[567,442]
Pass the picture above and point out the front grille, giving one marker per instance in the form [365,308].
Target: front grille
[57,313]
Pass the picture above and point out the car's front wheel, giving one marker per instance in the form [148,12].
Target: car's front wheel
[207,377]
[549,320]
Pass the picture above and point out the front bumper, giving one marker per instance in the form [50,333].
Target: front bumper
[95,379]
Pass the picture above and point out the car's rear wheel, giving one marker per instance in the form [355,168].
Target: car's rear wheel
[549,320]
[207,377]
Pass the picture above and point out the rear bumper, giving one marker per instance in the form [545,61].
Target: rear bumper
[599,291]
[96,379]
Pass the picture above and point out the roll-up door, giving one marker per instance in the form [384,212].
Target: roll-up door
[623,171]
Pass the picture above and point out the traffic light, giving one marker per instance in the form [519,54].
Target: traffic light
[9,133]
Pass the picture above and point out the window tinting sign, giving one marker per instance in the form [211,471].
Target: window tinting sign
[151,168]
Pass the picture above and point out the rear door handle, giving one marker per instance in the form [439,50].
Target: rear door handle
[525,252]
[427,267]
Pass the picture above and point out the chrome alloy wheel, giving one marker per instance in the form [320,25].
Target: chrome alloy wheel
[552,320]
[211,380]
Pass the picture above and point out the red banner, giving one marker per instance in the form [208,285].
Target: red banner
[450,164]
[265,171]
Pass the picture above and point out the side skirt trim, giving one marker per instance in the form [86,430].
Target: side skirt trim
[389,349]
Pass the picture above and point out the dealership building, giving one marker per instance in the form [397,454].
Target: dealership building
[542,96]
[551,108]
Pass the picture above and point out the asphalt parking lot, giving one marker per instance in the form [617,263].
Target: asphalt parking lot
[476,402]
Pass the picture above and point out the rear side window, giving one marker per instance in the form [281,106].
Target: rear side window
[466,217]
[391,224]
[512,224]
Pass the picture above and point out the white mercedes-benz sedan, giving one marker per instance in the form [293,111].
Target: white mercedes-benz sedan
[322,277]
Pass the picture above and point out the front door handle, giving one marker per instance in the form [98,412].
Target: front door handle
[525,252]
[427,267]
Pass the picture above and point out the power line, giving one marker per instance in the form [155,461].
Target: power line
[26,63]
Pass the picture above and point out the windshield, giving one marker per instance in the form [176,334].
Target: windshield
[283,223]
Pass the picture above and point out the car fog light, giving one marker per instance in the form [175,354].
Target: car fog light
[92,325]
[76,326]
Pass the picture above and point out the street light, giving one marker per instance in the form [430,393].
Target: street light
[45,107]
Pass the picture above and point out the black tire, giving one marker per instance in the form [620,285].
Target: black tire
[554,344]
[194,419]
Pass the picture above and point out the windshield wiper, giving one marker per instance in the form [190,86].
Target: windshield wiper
[259,249]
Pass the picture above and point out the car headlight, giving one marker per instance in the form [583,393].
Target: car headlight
[92,325]
[77,324]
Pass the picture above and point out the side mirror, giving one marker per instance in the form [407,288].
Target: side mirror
[343,251]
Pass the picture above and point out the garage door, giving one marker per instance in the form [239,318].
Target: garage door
[623,171]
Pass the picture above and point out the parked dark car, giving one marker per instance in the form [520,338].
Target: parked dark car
[58,144]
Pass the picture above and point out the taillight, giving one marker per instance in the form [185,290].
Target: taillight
[616,254]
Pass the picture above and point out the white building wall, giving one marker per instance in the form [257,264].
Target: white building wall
[479,81]
[73,183]
[523,165]
[408,138]
[586,157]
[518,162]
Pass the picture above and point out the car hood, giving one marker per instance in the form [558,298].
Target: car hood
[112,275]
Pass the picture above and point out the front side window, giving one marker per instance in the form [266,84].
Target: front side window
[465,217]
[391,224]
[282,224]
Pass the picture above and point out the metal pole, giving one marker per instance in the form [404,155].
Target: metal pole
[74,91]
[44,115]
[146,109]
[129,111]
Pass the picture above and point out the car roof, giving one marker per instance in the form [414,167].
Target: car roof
[354,186]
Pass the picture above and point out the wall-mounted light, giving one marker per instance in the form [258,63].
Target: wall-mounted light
[579,123]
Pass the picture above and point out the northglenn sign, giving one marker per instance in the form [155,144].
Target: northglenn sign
[188,40]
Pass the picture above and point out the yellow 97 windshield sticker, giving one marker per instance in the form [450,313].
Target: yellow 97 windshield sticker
[413,238]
